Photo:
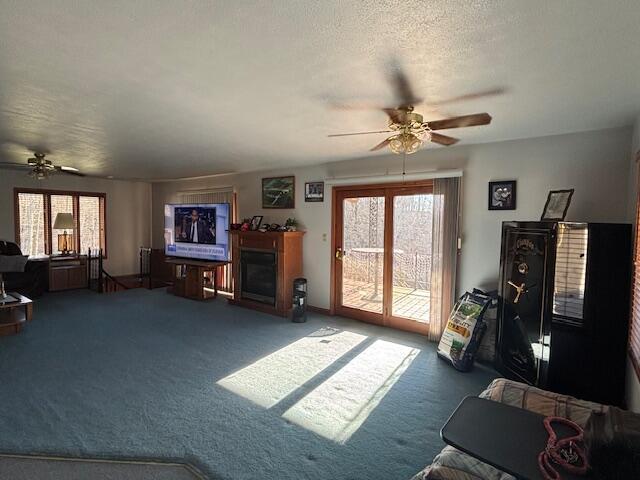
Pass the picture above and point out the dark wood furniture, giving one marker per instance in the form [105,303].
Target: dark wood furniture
[161,273]
[285,248]
[13,314]
[67,272]
[33,281]
[563,318]
[506,437]
[195,279]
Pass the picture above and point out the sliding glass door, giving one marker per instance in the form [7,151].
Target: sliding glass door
[382,257]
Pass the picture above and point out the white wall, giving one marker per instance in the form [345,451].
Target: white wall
[633,383]
[595,163]
[128,213]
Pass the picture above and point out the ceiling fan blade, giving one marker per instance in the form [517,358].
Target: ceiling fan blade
[467,97]
[463,121]
[395,115]
[443,139]
[381,145]
[14,165]
[402,88]
[357,106]
[69,170]
[358,133]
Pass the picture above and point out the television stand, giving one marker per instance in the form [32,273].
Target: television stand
[189,278]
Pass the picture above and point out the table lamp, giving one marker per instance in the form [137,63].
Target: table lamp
[64,221]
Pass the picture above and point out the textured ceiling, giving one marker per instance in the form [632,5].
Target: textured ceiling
[163,89]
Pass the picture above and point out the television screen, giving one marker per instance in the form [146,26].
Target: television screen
[198,231]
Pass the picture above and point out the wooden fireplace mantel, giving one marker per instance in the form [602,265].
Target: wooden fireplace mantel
[288,249]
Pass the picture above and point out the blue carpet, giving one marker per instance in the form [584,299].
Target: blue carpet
[133,375]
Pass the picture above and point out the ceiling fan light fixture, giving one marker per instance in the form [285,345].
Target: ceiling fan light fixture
[405,143]
[39,173]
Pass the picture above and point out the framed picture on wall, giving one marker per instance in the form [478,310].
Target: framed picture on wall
[314,192]
[557,205]
[279,192]
[502,195]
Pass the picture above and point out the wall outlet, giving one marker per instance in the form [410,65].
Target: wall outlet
[324,237]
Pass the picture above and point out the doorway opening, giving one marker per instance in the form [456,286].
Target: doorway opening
[382,240]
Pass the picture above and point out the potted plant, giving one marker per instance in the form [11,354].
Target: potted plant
[291,224]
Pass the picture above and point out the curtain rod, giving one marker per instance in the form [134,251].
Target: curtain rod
[396,177]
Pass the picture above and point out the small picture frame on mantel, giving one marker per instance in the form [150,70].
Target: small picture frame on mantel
[557,205]
[502,195]
[256,221]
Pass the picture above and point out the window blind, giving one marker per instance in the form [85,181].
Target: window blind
[31,223]
[61,204]
[571,271]
[36,211]
[634,333]
[212,196]
[91,228]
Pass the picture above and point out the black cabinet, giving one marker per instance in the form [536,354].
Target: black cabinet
[563,316]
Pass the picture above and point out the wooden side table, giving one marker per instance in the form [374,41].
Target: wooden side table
[14,314]
[189,280]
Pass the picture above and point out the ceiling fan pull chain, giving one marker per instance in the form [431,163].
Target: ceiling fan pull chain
[404,170]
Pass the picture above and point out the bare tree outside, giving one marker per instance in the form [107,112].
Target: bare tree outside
[31,211]
[363,244]
[33,219]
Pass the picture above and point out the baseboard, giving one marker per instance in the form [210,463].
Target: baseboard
[320,310]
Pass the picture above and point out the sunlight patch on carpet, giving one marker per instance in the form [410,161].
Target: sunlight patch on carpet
[272,378]
[338,407]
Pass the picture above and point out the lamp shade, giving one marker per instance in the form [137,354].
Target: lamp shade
[64,221]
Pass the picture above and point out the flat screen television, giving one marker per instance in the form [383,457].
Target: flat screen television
[197,231]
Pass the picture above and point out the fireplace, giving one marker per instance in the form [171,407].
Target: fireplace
[265,264]
[258,276]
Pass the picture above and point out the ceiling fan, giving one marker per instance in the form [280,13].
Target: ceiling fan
[408,128]
[40,167]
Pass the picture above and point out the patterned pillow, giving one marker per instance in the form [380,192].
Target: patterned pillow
[452,464]
[541,401]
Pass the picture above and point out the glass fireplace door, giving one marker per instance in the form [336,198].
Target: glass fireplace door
[258,276]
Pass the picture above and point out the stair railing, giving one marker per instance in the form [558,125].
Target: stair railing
[98,278]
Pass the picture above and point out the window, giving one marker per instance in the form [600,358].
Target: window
[91,227]
[36,212]
[30,232]
[571,271]
[60,204]
[634,333]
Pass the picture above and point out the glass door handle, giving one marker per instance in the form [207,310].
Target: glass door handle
[339,253]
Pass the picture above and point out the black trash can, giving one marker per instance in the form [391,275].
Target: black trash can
[299,310]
